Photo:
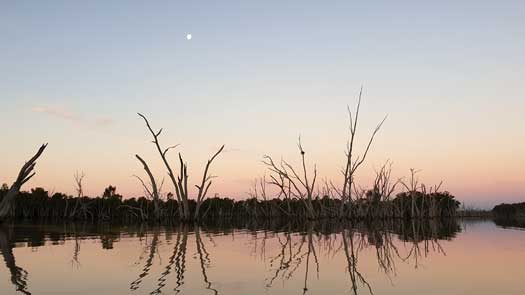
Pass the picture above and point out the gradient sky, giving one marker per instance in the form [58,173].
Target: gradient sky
[450,75]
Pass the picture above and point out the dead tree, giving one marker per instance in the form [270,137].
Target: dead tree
[285,190]
[259,188]
[154,192]
[433,206]
[181,198]
[300,185]
[352,162]
[181,188]
[25,174]
[79,204]
[181,181]
[382,192]
[413,188]
[206,183]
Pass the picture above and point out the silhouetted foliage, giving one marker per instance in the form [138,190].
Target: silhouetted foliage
[111,206]
[509,211]
[440,204]
[510,223]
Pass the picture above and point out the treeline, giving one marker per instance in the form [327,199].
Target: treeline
[509,211]
[111,206]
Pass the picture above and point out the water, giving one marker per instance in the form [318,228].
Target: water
[454,257]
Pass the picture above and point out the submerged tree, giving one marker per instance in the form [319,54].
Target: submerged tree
[153,193]
[300,186]
[81,207]
[303,187]
[206,183]
[25,174]
[180,182]
[354,162]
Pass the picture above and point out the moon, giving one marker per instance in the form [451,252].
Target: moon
[188,36]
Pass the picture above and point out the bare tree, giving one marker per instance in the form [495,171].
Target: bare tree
[382,192]
[181,198]
[285,189]
[428,206]
[181,189]
[300,185]
[352,162]
[206,183]
[154,192]
[259,189]
[79,178]
[412,187]
[181,181]
[25,174]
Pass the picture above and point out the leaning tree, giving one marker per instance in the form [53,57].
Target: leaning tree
[26,173]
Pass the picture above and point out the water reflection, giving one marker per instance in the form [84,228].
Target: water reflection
[152,248]
[18,275]
[177,260]
[292,252]
[510,223]
[422,238]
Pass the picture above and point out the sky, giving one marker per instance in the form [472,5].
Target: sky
[256,75]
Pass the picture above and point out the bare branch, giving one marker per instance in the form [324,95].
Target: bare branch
[154,191]
[25,174]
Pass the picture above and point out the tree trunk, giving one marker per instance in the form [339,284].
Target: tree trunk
[26,173]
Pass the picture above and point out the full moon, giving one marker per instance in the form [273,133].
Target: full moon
[188,36]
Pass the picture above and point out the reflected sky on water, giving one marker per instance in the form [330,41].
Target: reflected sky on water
[448,257]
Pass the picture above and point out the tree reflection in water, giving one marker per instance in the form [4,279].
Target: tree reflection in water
[149,262]
[297,252]
[177,260]
[18,274]
[419,237]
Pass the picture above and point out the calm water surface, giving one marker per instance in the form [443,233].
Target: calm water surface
[453,257]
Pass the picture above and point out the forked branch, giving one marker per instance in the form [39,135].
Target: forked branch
[25,174]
